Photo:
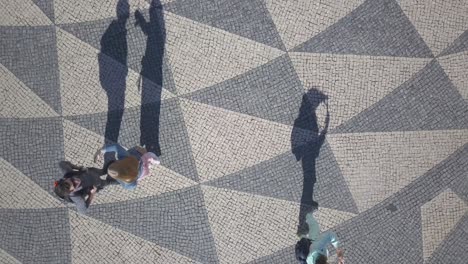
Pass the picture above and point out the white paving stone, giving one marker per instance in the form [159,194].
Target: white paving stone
[439,217]
[377,165]
[299,20]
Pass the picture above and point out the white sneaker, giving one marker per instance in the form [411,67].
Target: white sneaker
[155,161]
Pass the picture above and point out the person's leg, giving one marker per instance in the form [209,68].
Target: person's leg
[303,228]
[314,228]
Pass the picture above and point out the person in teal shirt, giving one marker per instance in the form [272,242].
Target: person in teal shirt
[317,251]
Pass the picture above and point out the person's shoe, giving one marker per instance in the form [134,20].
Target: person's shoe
[155,161]
[302,229]
[314,206]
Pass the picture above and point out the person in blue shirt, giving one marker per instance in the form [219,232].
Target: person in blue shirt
[313,246]
[131,165]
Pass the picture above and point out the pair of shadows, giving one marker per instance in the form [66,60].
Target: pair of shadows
[306,148]
[113,80]
[114,46]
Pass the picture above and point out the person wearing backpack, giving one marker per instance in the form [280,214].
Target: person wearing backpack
[312,247]
[131,165]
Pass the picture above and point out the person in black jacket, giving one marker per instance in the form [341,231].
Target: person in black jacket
[80,184]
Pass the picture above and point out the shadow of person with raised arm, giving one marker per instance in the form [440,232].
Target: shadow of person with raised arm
[152,75]
[113,75]
[306,148]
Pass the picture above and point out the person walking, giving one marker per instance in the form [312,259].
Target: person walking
[312,248]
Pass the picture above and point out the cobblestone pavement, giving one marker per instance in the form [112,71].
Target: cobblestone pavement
[232,94]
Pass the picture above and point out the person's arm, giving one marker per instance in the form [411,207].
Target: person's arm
[322,244]
[319,247]
[323,133]
[81,204]
[141,21]
[119,150]
[67,166]
[91,195]
[321,136]
[340,254]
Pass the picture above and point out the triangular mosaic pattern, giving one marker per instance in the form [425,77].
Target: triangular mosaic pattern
[377,27]
[427,101]
[299,20]
[405,227]
[23,13]
[47,231]
[258,110]
[37,66]
[459,45]
[251,93]
[46,134]
[19,100]
[47,6]
[455,66]
[446,205]
[282,177]
[455,242]
[160,224]
[24,196]
[122,246]
[438,36]
[352,80]
[246,18]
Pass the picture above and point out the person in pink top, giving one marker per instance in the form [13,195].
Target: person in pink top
[131,166]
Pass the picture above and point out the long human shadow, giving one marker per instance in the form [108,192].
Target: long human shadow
[152,75]
[306,142]
[113,75]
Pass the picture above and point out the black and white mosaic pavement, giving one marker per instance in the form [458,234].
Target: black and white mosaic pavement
[231,94]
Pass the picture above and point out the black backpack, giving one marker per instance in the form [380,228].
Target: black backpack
[302,250]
